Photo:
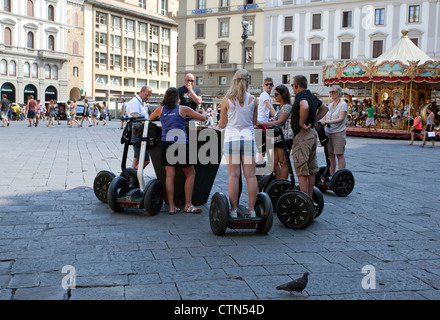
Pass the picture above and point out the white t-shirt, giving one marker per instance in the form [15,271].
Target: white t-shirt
[136,105]
[263,111]
[333,114]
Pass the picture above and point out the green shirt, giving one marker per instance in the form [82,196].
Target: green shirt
[371,112]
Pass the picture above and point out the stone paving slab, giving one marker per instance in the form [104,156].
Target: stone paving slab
[50,218]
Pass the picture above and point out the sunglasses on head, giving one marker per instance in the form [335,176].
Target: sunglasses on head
[269,84]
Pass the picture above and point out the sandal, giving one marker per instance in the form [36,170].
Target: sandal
[193,209]
[176,210]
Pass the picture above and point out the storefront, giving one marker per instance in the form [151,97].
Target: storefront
[30,90]
[8,89]
[51,93]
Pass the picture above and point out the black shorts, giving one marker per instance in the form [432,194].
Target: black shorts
[175,159]
[417,131]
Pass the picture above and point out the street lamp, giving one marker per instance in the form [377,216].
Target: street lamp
[244,36]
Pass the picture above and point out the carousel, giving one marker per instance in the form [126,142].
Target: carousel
[397,84]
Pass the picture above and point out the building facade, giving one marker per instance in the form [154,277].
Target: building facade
[301,36]
[33,53]
[129,44]
[211,43]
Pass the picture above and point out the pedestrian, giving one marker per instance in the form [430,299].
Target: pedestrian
[123,113]
[73,109]
[429,128]
[174,136]
[38,115]
[31,108]
[52,114]
[265,111]
[57,112]
[306,111]
[335,122]
[370,118]
[68,105]
[238,118]
[4,110]
[416,128]
[282,118]
[95,111]
[189,94]
[103,113]
[86,113]
[209,114]
[136,108]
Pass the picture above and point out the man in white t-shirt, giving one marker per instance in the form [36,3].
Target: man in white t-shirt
[265,111]
[136,108]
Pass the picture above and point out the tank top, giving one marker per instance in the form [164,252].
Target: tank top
[419,120]
[428,120]
[240,120]
[173,125]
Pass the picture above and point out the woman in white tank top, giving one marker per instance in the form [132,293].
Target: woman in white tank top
[238,117]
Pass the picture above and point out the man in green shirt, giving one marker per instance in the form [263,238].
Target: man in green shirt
[370,118]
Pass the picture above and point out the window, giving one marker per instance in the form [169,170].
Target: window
[47,71]
[143,4]
[152,66]
[129,25]
[288,23]
[116,22]
[377,48]
[75,48]
[128,82]
[200,57]
[142,46]
[285,78]
[12,68]
[54,73]
[345,50]
[165,50]
[314,78]
[115,61]
[50,13]
[129,43]
[200,30]
[165,68]
[30,40]
[347,19]
[249,54]
[7,5]
[100,58]
[164,7]
[142,28]
[101,18]
[316,21]
[201,4]
[34,71]
[154,48]
[222,81]
[26,70]
[115,81]
[51,43]
[380,17]
[142,64]
[415,41]
[115,41]
[165,33]
[8,37]
[100,38]
[224,3]
[224,28]
[287,52]
[30,8]
[4,68]
[128,62]
[75,72]
[316,51]
[414,14]
[223,55]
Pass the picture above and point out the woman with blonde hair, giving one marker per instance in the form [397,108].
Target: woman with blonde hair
[238,117]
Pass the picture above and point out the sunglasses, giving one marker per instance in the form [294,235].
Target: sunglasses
[276,94]
[269,84]
[190,80]
[331,92]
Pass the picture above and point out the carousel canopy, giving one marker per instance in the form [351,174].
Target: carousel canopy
[403,63]
[405,50]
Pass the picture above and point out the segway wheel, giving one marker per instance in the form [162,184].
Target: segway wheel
[318,198]
[130,174]
[219,213]
[118,188]
[264,182]
[277,188]
[264,209]
[153,197]
[342,183]
[101,183]
[295,209]
[318,179]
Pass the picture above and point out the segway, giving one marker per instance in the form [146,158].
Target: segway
[294,208]
[342,182]
[220,219]
[129,189]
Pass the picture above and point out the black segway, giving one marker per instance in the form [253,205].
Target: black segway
[129,189]
[220,220]
[342,182]
[294,208]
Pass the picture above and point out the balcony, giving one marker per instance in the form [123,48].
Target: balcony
[222,67]
[53,55]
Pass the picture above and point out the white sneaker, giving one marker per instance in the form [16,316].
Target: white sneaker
[233,214]
[252,214]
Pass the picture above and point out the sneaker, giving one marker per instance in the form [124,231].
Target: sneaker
[252,214]
[233,214]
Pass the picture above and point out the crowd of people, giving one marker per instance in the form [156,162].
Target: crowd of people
[36,112]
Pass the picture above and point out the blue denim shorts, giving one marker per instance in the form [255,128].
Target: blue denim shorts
[244,148]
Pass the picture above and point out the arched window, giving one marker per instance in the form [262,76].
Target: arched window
[51,43]
[26,70]
[75,48]
[8,37]
[54,73]
[12,68]
[35,70]
[47,71]
[3,68]
[30,40]
[75,72]
[50,13]
[30,8]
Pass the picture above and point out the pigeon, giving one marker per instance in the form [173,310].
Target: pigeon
[297,285]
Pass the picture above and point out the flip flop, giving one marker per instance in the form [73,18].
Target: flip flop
[176,210]
[193,209]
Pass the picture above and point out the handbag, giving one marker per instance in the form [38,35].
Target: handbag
[431,134]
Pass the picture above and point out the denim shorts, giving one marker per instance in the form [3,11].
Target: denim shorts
[137,151]
[244,148]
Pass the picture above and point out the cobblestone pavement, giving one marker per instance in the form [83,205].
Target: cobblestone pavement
[50,218]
